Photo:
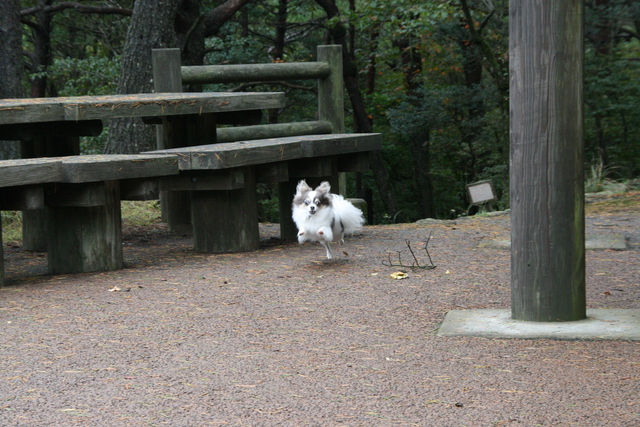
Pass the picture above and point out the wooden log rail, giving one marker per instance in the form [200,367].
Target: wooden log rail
[200,74]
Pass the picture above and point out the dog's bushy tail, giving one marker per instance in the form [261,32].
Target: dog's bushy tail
[352,218]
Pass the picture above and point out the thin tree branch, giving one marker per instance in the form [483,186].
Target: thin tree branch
[416,263]
[82,8]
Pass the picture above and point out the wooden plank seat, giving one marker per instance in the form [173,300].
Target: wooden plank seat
[222,179]
[21,187]
[260,151]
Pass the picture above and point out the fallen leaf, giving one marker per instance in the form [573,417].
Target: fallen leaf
[399,275]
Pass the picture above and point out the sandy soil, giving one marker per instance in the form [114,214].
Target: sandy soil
[283,337]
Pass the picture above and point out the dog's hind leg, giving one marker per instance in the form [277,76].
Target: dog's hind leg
[326,237]
[327,246]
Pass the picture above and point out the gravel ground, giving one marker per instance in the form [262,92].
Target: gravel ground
[283,337]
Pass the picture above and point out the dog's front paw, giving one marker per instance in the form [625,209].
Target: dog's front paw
[326,234]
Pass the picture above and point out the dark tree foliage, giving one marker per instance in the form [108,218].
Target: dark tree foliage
[612,87]
[10,63]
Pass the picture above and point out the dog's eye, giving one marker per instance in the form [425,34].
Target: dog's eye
[306,202]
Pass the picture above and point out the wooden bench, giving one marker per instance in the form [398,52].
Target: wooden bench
[84,222]
[22,187]
[222,179]
[236,156]
[82,197]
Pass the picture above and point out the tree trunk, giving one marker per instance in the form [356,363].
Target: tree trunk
[472,126]
[190,32]
[156,24]
[421,153]
[419,143]
[214,19]
[602,142]
[370,79]
[11,65]
[41,58]
[281,30]
[152,26]
[360,116]
[495,65]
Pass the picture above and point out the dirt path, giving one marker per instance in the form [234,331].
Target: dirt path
[282,337]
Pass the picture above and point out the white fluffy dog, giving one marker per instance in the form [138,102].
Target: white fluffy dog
[324,217]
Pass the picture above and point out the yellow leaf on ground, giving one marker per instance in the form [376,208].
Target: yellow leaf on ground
[399,275]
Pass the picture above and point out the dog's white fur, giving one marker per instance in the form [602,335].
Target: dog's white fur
[324,217]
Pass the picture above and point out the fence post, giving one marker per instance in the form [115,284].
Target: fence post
[167,77]
[331,109]
[331,98]
[546,56]
[330,89]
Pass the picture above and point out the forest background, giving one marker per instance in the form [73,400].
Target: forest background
[431,76]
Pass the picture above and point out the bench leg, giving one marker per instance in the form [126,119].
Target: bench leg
[226,220]
[34,222]
[288,229]
[175,209]
[86,239]
[34,230]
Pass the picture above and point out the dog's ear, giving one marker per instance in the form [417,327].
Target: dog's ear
[302,187]
[324,187]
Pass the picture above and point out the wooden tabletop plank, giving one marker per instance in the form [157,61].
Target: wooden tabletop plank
[108,167]
[29,171]
[335,144]
[34,110]
[261,151]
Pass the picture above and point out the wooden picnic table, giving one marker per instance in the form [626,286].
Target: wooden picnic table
[51,127]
